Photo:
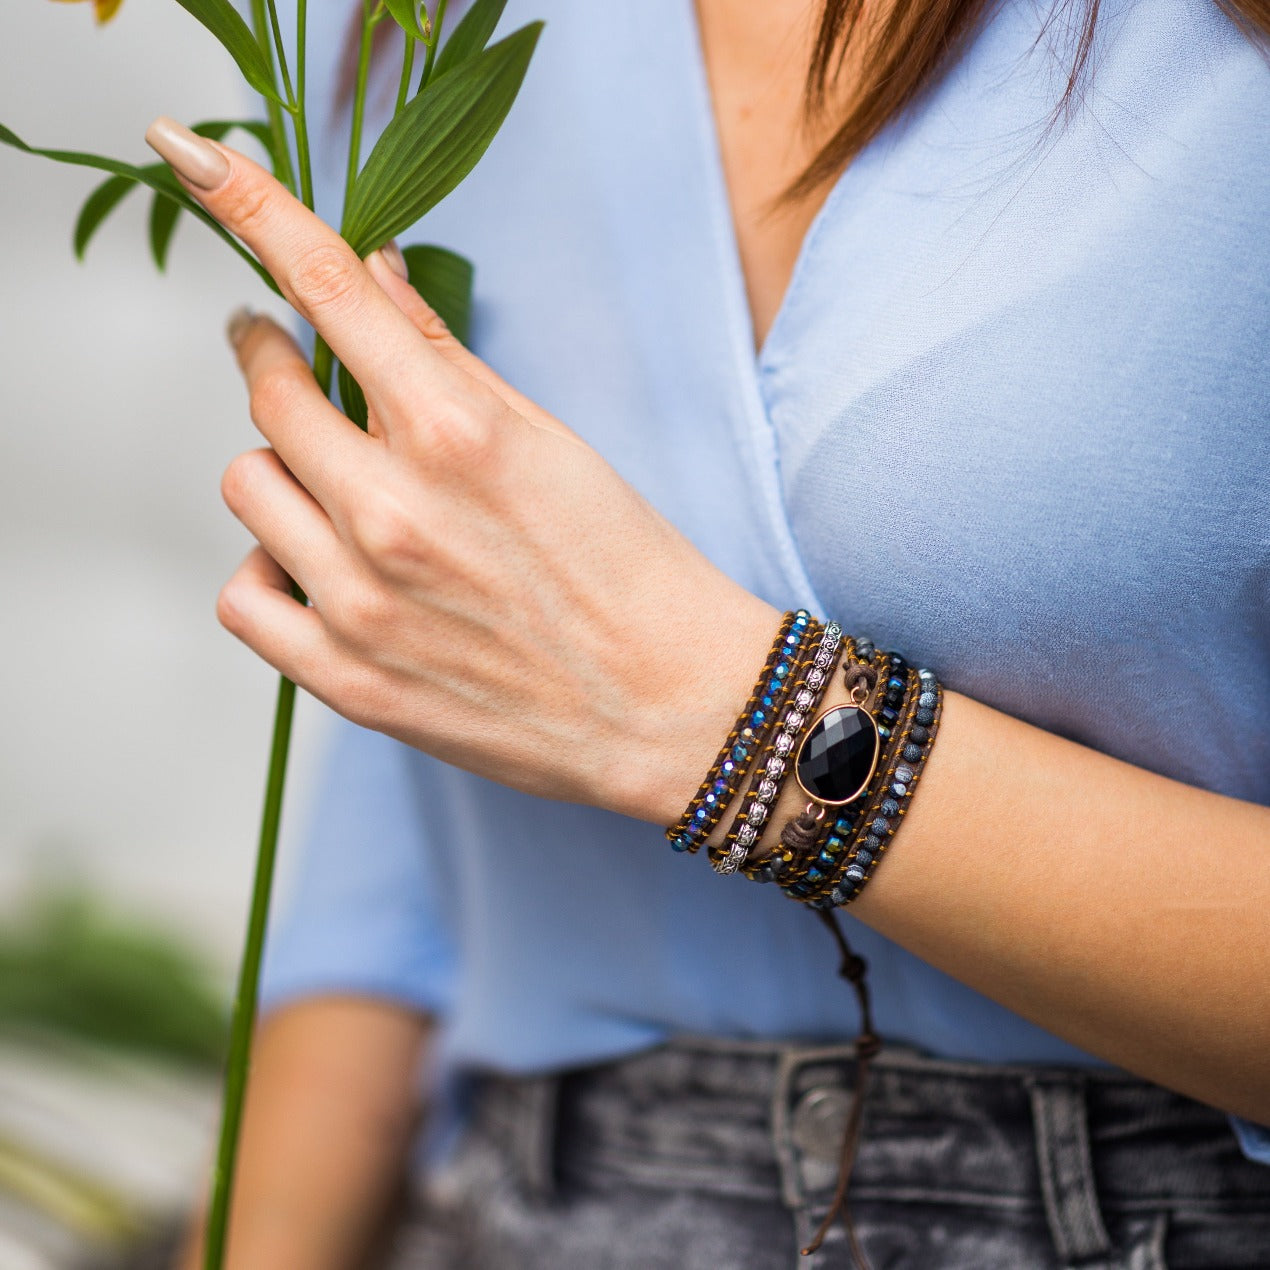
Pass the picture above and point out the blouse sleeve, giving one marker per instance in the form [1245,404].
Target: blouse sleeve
[363,915]
[1254,1139]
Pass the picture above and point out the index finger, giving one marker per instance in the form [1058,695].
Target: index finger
[319,273]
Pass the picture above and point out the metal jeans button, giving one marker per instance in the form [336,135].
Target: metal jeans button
[820,1120]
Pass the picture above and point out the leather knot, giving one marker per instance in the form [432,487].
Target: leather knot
[867,1045]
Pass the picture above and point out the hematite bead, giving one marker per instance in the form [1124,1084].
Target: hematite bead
[838,755]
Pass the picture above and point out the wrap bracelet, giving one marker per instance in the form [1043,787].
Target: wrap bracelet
[727,772]
[774,763]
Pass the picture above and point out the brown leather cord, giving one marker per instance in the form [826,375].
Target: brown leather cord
[853,969]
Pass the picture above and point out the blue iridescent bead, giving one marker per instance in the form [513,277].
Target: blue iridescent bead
[768,702]
[773,684]
[884,732]
[814,874]
[844,825]
[680,844]
[833,844]
[801,619]
[888,714]
[740,751]
[895,683]
[827,858]
[728,765]
[701,813]
[757,717]
[782,670]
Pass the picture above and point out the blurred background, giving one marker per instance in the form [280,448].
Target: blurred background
[133,730]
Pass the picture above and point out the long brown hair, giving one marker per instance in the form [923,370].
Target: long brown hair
[915,43]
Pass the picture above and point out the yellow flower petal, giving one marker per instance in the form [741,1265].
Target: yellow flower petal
[106,9]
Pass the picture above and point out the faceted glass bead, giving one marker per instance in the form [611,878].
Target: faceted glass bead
[838,755]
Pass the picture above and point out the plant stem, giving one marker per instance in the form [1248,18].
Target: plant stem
[359,103]
[300,118]
[282,55]
[407,65]
[430,57]
[323,364]
[277,128]
[244,1016]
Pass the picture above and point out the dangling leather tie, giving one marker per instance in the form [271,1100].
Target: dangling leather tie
[852,968]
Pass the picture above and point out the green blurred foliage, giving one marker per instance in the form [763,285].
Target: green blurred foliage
[70,966]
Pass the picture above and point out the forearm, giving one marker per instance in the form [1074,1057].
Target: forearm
[331,1110]
[1121,910]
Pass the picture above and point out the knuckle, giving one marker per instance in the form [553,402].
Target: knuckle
[244,204]
[387,532]
[276,391]
[458,436]
[235,485]
[228,608]
[325,276]
[361,613]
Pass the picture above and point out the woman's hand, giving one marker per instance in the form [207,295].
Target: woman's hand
[483,585]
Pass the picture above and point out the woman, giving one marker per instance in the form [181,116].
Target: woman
[994,394]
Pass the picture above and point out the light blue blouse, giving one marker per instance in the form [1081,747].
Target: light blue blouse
[1013,418]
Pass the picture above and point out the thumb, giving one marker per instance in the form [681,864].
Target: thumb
[388,267]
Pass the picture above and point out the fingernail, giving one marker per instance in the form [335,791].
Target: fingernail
[394,259]
[194,158]
[239,324]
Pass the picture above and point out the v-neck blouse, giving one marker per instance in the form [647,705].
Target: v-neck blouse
[1012,418]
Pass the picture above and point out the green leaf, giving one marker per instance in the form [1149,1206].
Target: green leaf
[470,36]
[158,176]
[444,279]
[405,13]
[163,217]
[222,20]
[352,398]
[97,206]
[436,141]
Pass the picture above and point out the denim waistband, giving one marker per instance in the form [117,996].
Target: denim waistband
[750,1119]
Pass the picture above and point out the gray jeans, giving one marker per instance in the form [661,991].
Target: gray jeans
[719,1155]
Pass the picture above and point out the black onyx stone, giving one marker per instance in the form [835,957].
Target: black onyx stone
[838,755]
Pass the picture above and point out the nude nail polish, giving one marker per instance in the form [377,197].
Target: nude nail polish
[190,155]
[239,324]
[394,259]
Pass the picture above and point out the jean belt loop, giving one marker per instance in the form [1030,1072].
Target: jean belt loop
[1061,1123]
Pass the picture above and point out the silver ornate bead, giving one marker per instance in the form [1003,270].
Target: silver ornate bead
[775,767]
[795,720]
[804,699]
[746,835]
[767,790]
[815,678]
[732,861]
[784,743]
[758,814]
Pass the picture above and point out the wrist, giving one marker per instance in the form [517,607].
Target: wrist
[676,734]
